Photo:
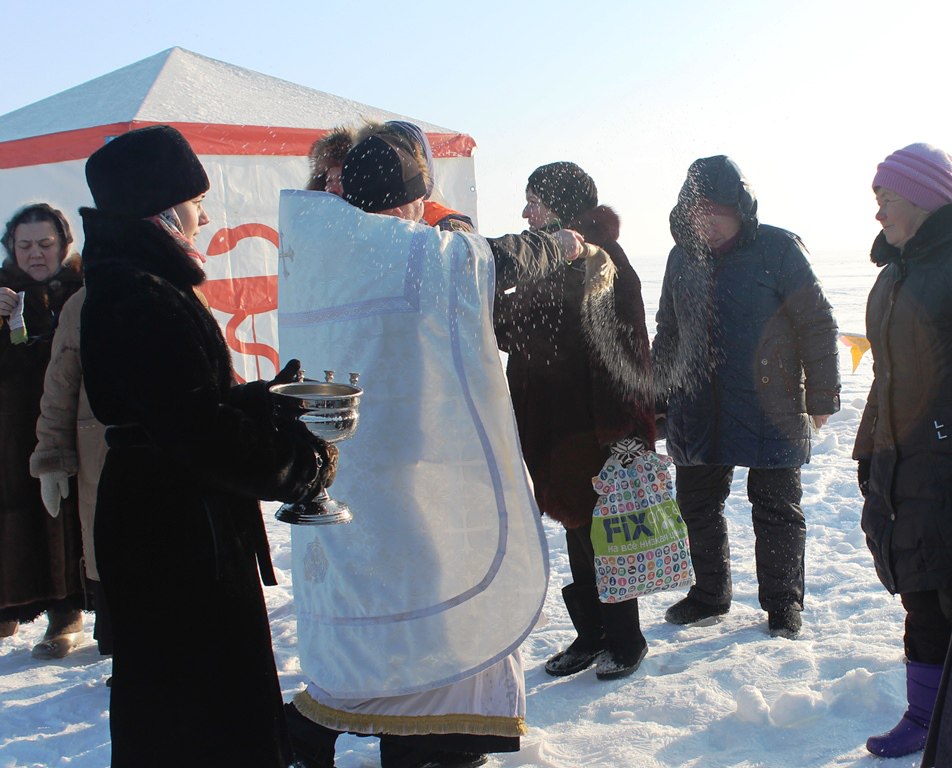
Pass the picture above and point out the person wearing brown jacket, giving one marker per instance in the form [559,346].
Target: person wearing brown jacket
[71,443]
[579,374]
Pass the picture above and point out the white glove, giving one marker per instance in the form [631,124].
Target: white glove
[54,487]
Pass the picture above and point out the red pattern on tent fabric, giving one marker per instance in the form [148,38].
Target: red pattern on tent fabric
[205,138]
[243,297]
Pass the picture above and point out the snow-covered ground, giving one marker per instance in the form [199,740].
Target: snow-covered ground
[711,697]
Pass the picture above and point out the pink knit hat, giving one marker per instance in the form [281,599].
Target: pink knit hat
[920,173]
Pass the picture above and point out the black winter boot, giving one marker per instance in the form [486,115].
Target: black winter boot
[690,610]
[784,623]
[625,645]
[584,610]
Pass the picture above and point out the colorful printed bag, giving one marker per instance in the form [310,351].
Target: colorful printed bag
[640,539]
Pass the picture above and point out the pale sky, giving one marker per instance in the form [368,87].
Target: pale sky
[806,95]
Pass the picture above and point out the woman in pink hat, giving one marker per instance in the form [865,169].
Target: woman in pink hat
[904,445]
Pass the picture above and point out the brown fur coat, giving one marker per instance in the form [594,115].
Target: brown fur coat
[578,371]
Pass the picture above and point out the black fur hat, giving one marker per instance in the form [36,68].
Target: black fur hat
[378,176]
[144,172]
[565,189]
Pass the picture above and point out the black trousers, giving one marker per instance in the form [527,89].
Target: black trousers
[923,636]
[779,532]
[928,629]
[615,625]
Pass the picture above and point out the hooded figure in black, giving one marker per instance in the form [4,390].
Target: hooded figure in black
[178,532]
[744,359]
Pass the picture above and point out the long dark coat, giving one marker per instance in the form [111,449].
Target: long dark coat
[745,346]
[906,430]
[178,527]
[39,555]
[578,372]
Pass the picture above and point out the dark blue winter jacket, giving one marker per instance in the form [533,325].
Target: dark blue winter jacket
[746,341]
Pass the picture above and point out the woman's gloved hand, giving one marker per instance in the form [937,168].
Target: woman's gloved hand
[862,475]
[54,487]
[291,372]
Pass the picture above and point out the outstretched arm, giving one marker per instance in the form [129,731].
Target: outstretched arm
[532,255]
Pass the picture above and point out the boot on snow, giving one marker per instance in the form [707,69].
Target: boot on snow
[909,734]
[625,645]
[583,607]
[690,610]
[64,633]
[612,665]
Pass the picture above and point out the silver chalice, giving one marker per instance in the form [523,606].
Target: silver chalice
[329,410]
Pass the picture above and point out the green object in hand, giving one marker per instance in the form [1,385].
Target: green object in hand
[17,324]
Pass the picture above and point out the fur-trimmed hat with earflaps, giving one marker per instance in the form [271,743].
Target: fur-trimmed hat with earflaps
[144,172]
[328,152]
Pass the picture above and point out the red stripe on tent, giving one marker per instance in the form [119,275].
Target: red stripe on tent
[205,138]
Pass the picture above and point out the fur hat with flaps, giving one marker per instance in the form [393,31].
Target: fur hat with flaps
[144,172]
[326,153]
[565,189]
[378,175]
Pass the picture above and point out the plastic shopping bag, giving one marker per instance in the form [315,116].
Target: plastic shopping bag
[639,537]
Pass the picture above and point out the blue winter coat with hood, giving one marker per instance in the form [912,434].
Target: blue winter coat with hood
[745,349]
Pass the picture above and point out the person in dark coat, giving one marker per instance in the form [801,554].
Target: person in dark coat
[178,531]
[579,374]
[745,359]
[40,556]
[905,458]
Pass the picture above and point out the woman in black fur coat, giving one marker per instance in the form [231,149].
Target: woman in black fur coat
[179,535]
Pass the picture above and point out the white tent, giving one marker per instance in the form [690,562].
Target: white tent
[252,132]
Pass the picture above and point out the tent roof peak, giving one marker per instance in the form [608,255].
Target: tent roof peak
[179,86]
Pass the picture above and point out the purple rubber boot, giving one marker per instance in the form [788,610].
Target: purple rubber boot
[909,734]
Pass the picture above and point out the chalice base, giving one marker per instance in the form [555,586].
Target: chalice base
[321,510]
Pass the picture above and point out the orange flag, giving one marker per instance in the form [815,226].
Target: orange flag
[858,345]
